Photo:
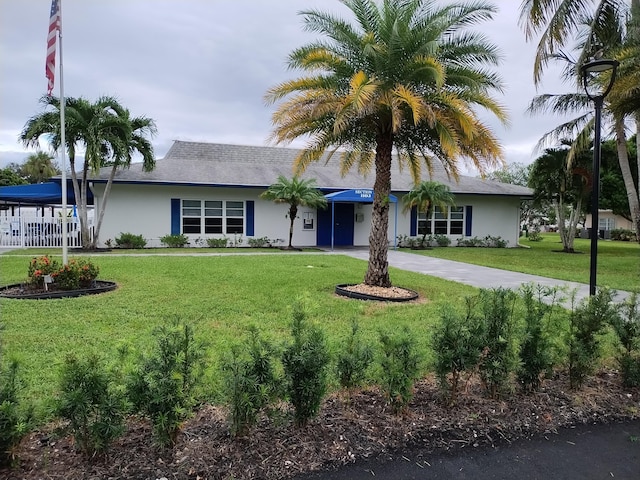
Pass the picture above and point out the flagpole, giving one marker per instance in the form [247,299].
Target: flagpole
[63,163]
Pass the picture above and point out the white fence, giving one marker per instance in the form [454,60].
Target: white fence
[28,231]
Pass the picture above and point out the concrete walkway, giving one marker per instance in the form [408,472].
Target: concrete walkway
[468,274]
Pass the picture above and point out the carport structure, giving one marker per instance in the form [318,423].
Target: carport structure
[32,230]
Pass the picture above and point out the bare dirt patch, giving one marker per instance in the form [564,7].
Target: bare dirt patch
[345,431]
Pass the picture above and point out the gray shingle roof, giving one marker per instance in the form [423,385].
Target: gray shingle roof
[196,163]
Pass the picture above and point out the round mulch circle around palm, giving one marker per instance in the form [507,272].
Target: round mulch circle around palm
[362,291]
[28,292]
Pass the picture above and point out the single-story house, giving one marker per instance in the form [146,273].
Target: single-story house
[609,221]
[207,190]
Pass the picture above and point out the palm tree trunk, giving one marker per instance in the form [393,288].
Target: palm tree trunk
[293,213]
[625,168]
[80,200]
[378,267]
[103,205]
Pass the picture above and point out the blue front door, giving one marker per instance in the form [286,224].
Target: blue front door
[343,225]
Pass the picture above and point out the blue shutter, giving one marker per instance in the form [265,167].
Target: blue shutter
[250,218]
[175,216]
[468,221]
[414,222]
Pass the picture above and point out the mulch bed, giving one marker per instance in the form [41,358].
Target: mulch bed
[347,430]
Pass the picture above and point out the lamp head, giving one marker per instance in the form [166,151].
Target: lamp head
[592,72]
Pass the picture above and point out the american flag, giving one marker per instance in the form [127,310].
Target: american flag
[54,26]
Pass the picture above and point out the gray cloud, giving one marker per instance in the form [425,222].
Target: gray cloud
[200,68]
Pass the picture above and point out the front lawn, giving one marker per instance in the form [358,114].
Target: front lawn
[618,262]
[220,295]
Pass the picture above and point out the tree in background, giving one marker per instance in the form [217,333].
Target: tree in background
[407,76]
[427,195]
[108,135]
[39,167]
[565,188]
[518,174]
[9,176]
[295,192]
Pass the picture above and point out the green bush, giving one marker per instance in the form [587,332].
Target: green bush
[162,386]
[499,354]
[442,240]
[626,325]
[535,347]
[305,363]
[261,242]
[14,422]
[494,242]
[77,273]
[623,235]
[587,321]
[354,358]
[175,241]
[457,346]
[534,234]
[250,382]
[130,241]
[39,267]
[400,367]
[218,242]
[470,242]
[91,403]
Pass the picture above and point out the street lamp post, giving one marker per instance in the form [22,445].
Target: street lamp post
[591,77]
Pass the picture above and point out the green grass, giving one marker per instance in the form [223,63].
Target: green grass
[618,262]
[220,295]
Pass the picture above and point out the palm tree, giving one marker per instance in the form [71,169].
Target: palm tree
[295,192]
[406,76]
[605,29]
[427,195]
[39,167]
[105,131]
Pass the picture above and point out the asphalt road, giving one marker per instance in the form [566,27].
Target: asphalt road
[610,451]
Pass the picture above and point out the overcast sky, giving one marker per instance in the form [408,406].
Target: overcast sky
[200,68]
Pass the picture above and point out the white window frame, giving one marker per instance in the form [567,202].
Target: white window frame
[454,217]
[212,217]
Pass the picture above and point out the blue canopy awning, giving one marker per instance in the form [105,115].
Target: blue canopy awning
[359,195]
[49,193]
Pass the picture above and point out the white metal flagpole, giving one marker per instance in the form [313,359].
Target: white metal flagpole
[63,146]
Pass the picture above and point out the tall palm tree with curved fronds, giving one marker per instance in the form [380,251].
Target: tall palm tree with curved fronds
[427,195]
[407,76]
[295,192]
[616,40]
[104,130]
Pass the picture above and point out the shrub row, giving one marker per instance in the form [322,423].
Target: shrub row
[428,241]
[132,241]
[503,338]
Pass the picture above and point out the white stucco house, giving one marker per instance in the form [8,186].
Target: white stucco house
[206,190]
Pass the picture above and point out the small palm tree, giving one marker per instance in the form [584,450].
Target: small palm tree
[296,192]
[427,195]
